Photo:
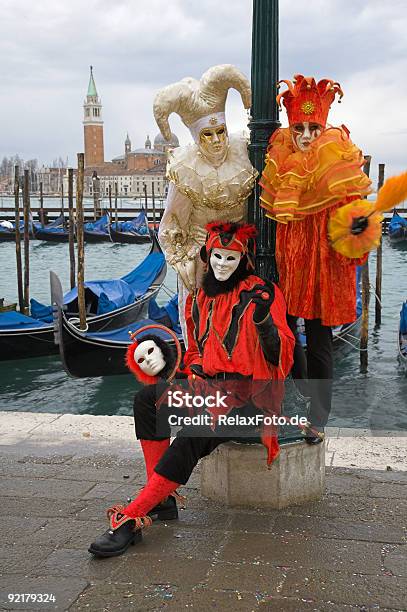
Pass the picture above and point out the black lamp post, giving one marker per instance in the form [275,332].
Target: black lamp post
[264,121]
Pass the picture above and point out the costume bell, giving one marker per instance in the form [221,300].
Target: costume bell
[238,335]
[311,170]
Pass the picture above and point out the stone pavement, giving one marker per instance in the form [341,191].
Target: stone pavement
[58,474]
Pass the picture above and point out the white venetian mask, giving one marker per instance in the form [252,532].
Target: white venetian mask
[224,262]
[149,357]
[305,133]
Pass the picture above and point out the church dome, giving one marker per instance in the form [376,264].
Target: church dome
[160,142]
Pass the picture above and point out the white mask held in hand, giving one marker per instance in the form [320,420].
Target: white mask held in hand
[224,262]
[149,357]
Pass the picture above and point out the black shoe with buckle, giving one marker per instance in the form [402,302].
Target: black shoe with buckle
[165,511]
[313,435]
[313,439]
[124,531]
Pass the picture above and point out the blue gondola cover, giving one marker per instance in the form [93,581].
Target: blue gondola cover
[116,293]
[41,312]
[135,226]
[403,318]
[99,226]
[397,222]
[16,320]
[170,309]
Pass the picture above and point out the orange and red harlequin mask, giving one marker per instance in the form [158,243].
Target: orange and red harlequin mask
[308,101]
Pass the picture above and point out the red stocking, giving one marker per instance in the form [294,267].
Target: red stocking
[157,489]
[153,450]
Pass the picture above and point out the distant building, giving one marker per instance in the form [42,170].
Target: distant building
[131,170]
[52,180]
[129,182]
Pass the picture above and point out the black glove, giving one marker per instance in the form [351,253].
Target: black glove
[268,333]
[359,224]
[197,370]
[263,302]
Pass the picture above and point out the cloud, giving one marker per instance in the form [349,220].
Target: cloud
[137,47]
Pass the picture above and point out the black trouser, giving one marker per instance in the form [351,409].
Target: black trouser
[316,368]
[185,451]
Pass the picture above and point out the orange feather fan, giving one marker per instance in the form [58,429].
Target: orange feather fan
[355,229]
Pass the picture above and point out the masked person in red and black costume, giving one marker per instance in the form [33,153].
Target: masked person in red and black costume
[238,338]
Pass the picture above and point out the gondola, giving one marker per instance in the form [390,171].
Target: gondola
[53,232]
[88,353]
[402,337]
[397,229]
[23,337]
[8,234]
[97,231]
[109,305]
[135,231]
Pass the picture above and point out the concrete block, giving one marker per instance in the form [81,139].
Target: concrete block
[237,475]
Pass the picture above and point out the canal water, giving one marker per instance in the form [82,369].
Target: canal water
[377,400]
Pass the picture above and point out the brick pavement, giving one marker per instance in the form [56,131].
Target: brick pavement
[346,552]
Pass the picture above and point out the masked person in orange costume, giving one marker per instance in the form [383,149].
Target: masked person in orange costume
[311,170]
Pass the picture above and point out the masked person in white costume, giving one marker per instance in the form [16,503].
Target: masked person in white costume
[210,179]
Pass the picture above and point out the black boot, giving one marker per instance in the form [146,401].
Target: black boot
[165,511]
[123,532]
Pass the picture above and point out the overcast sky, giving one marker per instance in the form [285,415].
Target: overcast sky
[138,46]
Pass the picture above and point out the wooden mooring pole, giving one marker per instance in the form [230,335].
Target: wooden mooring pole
[80,241]
[364,335]
[110,202]
[26,202]
[153,198]
[62,198]
[41,214]
[18,238]
[145,199]
[115,204]
[71,229]
[379,262]
[95,189]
